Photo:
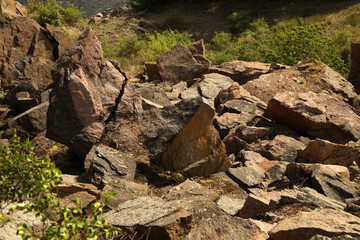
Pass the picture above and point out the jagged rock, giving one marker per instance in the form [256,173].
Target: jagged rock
[152,215]
[66,191]
[230,205]
[241,71]
[35,69]
[332,185]
[197,148]
[251,134]
[299,78]
[228,121]
[235,91]
[126,190]
[26,37]
[247,177]
[299,174]
[210,86]
[227,228]
[253,206]
[252,157]
[275,173]
[104,164]
[325,152]
[153,94]
[21,9]
[178,64]
[317,115]
[327,222]
[190,189]
[33,121]
[86,91]
[284,148]
[8,7]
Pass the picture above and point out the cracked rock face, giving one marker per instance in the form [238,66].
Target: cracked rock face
[86,90]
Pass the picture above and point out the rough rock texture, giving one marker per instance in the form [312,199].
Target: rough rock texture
[152,71]
[33,121]
[230,205]
[78,120]
[317,115]
[325,152]
[253,206]
[8,7]
[153,216]
[326,222]
[104,164]
[35,69]
[127,190]
[247,176]
[26,37]
[284,148]
[332,185]
[229,121]
[235,91]
[178,64]
[197,147]
[190,189]
[241,71]
[307,75]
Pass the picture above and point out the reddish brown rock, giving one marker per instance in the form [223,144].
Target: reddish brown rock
[325,152]
[152,71]
[317,115]
[87,87]
[178,64]
[327,222]
[241,71]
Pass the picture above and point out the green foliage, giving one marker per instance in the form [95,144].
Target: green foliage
[286,46]
[133,50]
[158,43]
[239,21]
[51,11]
[72,223]
[22,175]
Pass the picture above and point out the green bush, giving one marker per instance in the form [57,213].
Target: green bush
[239,21]
[22,175]
[222,48]
[51,11]
[71,223]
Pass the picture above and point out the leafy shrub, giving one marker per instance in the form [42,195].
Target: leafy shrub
[51,11]
[222,48]
[22,176]
[72,223]
[239,21]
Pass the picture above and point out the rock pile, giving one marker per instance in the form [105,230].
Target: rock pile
[268,151]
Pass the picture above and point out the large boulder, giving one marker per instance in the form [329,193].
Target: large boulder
[179,64]
[310,75]
[325,152]
[327,222]
[86,91]
[8,7]
[317,115]
[153,217]
[104,164]
[22,36]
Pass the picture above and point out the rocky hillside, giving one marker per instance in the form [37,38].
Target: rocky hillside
[241,150]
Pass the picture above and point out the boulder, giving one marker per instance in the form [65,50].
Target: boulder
[197,148]
[235,91]
[190,189]
[247,177]
[241,71]
[25,36]
[21,9]
[284,148]
[253,206]
[302,77]
[331,184]
[154,95]
[153,217]
[86,91]
[178,64]
[229,121]
[325,152]
[104,164]
[317,115]
[152,71]
[126,190]
[33,121]
[230,205]
[8,7]
[327,222]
